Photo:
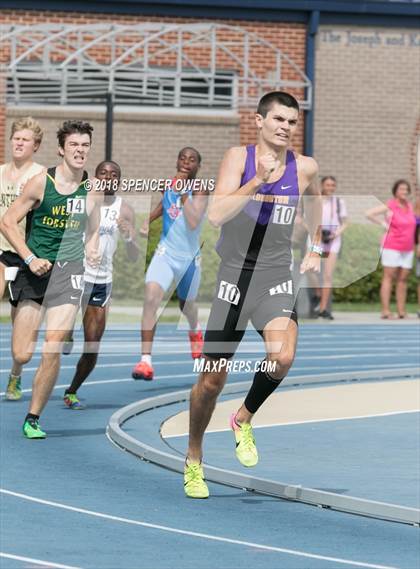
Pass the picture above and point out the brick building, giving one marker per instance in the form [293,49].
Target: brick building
[360,61]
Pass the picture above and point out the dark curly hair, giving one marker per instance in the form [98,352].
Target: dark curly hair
[73,127]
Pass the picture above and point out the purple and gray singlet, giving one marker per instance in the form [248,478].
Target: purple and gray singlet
[259,236]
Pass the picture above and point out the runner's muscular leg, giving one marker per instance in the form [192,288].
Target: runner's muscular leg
[26,322]
[2,280]
[280,339]
[59,320]
[202,403]
[153,297]
[190,309]
[94,322]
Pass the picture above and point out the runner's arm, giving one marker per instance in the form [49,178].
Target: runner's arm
[94,202]
[30,198]
[229,196]
[155,214]
[194,208]
[312,202]
[127,227]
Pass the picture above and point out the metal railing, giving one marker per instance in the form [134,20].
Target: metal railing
[155,64]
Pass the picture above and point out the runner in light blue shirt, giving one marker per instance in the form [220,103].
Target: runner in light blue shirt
[177,258]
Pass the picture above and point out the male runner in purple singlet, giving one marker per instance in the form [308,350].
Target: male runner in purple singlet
[255,204]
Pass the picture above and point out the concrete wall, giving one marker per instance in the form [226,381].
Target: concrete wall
[367,99]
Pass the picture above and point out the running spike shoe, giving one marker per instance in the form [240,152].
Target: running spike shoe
[32,430]
[142,370]
[194,484]
[246,451]
[14,390]
[72,401]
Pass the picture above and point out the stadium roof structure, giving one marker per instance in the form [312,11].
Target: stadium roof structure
[201,65]
[391,13]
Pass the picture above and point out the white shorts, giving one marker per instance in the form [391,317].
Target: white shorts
[394,258]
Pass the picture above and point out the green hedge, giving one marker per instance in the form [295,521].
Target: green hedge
[360,246]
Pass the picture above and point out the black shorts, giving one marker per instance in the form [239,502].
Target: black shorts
[11,259]
[63,284]
[96,294]
[243,296]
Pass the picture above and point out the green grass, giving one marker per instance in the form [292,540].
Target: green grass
[337,307]
[369,307]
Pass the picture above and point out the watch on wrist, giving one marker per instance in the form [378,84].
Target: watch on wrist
[316,249]
[29,259]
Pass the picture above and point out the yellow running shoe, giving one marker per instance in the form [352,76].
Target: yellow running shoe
[194,484]
[246,451]
[14,390]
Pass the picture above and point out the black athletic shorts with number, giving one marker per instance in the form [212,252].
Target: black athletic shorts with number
[242,296]
[62,284]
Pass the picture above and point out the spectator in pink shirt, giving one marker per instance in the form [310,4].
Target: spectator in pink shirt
[417,241]
[398,218]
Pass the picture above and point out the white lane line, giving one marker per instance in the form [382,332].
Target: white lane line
[407,353]
[37,561]
[349,418]
[195,534]
[180,375]
[115,350]
[316,342]
[351,356]
[320,345]
[130,365]
[312,345]
[122,380]
[338,334]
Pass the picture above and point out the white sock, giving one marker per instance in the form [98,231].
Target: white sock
[147,358]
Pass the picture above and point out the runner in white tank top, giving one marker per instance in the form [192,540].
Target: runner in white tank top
[117,220]
[108,240]
[25,139]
